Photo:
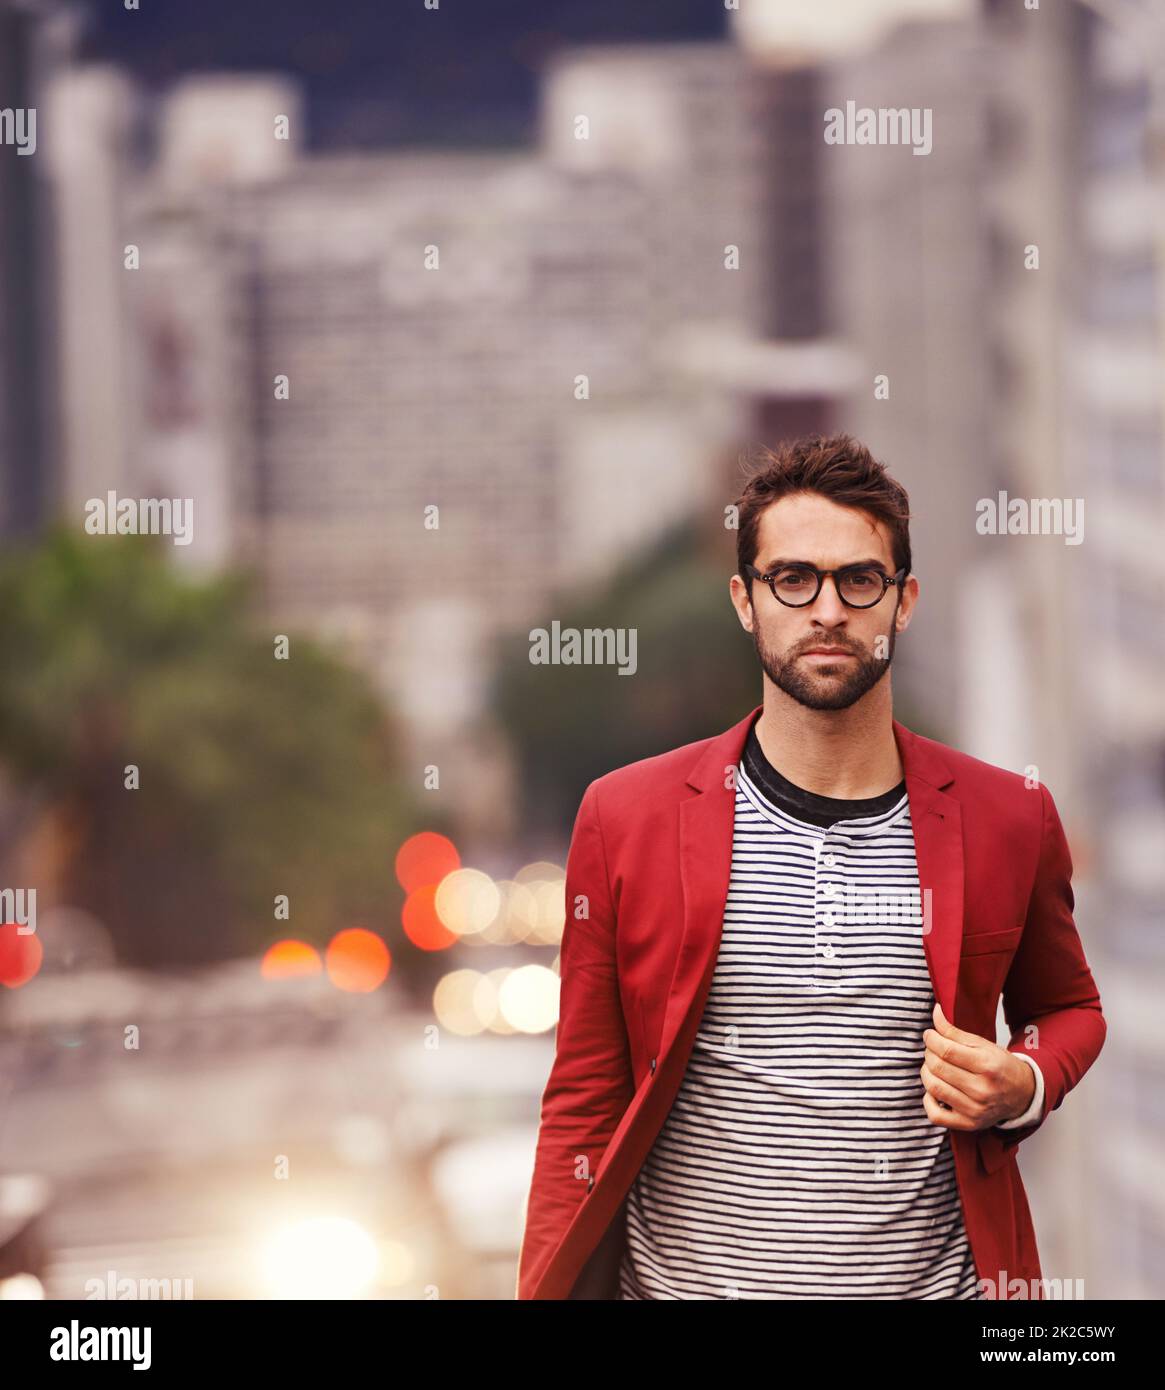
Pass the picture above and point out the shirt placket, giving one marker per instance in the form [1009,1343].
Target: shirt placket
[828,911]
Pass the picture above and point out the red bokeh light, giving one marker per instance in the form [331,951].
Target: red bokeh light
[425,858]
[20,956]
[422,925]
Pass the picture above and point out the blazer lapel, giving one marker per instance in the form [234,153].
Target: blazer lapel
[937,821]
[706,824]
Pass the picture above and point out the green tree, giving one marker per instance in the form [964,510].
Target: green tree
[258,776]
[696,674]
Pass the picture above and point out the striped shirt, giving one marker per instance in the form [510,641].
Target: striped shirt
[797,1160]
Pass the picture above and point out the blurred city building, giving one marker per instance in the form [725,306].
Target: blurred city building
[1113,601]
[33,46]
[411,387]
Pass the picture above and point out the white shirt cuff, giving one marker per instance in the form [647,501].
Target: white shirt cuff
[1035,1109]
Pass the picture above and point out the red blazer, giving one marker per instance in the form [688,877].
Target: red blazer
[646,884]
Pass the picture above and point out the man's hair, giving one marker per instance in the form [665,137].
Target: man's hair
[836,466]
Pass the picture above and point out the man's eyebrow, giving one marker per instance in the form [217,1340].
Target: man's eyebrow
[784,560]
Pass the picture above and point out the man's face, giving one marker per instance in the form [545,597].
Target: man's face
[857,643]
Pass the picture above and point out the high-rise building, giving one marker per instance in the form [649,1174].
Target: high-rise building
[1114,613]
[443,385]
[32,42]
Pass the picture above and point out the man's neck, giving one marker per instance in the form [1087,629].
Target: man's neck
[848,753]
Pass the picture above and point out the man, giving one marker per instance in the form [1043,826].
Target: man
[776,1073]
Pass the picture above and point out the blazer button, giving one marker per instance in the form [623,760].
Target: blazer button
[591,1182]
[653,1064]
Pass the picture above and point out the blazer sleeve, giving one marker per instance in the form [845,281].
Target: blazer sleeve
[1050,1000]
[590,1084]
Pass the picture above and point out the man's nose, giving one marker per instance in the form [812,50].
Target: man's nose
[827,606]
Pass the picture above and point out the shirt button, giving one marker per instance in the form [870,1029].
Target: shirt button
[828,952]
[829,861]
[827,918]
[829,890]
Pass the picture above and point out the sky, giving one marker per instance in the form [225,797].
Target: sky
[389,72]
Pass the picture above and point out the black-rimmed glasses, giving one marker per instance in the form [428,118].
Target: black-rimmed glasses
[858,586]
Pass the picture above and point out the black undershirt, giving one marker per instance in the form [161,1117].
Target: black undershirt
[809,806]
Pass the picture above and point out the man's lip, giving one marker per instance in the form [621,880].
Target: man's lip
[827,651]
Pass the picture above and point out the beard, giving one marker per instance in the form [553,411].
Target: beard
[824,687]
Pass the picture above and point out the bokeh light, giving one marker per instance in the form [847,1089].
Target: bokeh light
[550,897]
[542,871]
[518,918]
[528,999]
[489,1001]
[546,883]
[425,858]
[421,923]
[20,956]
[461,1002]
[21,1287]
[468,901]
[324,1257]
[357,960]
[289,959]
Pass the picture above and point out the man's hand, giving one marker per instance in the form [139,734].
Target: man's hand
[971,1082]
